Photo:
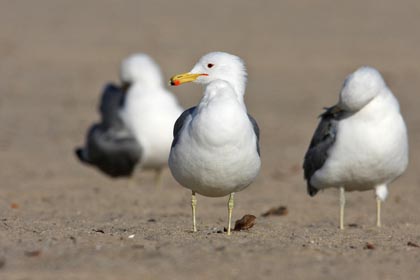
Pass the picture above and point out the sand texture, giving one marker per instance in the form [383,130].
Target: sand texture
[62,220]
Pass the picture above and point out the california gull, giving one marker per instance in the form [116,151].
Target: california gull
[360,143]
[215,151]
[137,122]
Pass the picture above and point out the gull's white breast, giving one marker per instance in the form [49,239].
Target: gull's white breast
[371,148]
[216,153]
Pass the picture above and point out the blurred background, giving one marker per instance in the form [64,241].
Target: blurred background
[55,57]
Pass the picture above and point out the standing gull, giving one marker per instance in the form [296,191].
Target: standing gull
[137,122]
[360,143]
[215,150]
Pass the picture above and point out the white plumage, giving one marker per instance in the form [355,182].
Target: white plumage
[136,124]
[215,150]
[149,111]
[369,149]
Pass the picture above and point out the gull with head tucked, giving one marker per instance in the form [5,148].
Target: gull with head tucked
[215,150]
[360,143]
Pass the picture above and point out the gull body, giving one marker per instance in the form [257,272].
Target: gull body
[143,111]
[215,149]
[150,110]
[361,143]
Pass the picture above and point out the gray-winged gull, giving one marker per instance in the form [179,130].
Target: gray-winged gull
[215,151]
[360,143]
[137,122]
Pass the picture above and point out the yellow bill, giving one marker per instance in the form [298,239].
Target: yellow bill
[184,78]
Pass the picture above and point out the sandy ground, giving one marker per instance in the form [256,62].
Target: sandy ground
[62,220]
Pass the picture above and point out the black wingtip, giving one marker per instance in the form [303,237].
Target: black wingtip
[79,153]
[311,190]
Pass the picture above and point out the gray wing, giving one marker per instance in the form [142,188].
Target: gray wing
[113,151]
[322,140]
[179,124]
[112,100]
[109,145]
[256,130]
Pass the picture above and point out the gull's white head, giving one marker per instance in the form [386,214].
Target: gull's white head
[216,66]
[140,68]
[360,88]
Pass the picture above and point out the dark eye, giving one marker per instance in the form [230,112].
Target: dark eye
[210,65]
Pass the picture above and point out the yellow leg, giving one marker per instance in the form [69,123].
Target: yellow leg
[378,212]
[158,178]
[342,204]
[193,206]
[230,209]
